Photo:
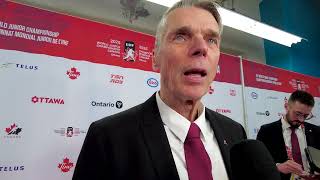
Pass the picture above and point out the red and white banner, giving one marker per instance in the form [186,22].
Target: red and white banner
[59,73]
[268,88]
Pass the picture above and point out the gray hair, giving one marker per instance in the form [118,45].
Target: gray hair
[207,5]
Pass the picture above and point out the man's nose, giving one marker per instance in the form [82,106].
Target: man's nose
[199,46]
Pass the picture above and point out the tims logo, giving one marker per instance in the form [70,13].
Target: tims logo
[13,131]
[66,165]
[117,79]
[46,100]
[73,73]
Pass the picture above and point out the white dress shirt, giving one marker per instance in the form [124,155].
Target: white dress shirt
[177,127]
[301,138]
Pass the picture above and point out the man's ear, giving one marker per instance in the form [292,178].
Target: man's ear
[286,106]
[155,61]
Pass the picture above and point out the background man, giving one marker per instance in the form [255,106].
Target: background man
[287,138]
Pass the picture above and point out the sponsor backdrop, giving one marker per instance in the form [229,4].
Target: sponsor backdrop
[59,73]
[268,88]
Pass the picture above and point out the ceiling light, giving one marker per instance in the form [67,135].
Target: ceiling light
[248,25]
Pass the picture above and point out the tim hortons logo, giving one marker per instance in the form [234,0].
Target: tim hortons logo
[117,79]
[73,73]
[47,100]
[66,165]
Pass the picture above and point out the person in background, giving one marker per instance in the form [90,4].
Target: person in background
[172,135]
[287,138]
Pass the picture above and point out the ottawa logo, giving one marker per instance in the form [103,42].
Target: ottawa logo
[73,73]
[66,165]
[46,100]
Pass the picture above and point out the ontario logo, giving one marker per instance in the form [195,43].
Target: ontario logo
[117,104]
[152,82]
[47,100]
[73,73]
[254,95]
[13,131]
[266,113]
[66,165]
[116,79]
[69,131]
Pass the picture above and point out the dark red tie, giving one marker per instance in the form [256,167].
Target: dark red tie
[296,154]
[197,159]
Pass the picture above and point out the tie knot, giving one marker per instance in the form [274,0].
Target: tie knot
[293,128]
[194,131]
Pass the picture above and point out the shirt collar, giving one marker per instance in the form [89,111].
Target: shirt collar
[178,124]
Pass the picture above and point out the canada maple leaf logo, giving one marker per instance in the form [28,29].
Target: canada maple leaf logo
[8,130]
[73,73]
[66,165]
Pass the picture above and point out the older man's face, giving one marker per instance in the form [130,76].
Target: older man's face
[189,53]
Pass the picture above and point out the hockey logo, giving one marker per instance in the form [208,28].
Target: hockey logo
[129,51]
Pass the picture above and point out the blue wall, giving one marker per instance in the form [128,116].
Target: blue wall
[299,17]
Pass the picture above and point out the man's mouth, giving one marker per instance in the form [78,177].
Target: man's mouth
[196,72]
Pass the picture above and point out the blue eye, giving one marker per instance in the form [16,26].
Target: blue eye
[179,38]
[212,41]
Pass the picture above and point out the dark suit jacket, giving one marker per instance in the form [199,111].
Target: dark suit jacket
[132,145]
[271,135]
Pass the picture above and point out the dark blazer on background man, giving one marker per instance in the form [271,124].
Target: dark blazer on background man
[271,135]
[133,145]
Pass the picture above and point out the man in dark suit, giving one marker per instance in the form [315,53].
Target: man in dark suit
[287,138]
[172,135]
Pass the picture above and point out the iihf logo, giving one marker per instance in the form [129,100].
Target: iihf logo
[73,73]
[129,51]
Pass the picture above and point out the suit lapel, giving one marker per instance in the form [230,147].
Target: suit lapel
[221,137]
[309,137]
[279,142]
[157,142]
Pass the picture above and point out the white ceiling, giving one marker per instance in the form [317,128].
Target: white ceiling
[111,12]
